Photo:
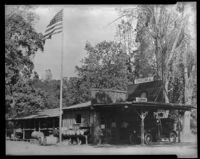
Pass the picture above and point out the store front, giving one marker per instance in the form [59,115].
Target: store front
[140,123]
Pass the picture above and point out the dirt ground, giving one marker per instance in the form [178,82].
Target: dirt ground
[188,150]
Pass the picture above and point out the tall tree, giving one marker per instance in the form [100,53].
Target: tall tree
[166,28]
[21,44]
[141,61]
[52,91]
[76,90]
[105,66]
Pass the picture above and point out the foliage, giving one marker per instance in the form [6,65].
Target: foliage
[76,90]
[28,100]
[142,61]
[164,45]
[52,91]
[105,66]
[165,33]
[21,44]
[165,29]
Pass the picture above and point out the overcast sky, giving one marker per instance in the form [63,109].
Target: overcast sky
[81,24]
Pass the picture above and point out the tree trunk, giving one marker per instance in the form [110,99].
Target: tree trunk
[189,85]
[165,91]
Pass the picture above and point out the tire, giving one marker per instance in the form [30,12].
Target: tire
[148,138]
[172,137]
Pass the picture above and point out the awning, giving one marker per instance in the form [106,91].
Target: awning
[76,106]
[48,113]
[146,105]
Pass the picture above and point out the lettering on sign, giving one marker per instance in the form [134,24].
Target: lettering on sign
[143,80]
[139,99]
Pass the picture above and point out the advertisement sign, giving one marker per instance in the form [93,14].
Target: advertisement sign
[139,99]
[143,80]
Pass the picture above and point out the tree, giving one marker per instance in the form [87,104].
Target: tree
[21,44]
[76,91]
[166,27]
[28,100]
[141,61]
[52,92]
[105,66]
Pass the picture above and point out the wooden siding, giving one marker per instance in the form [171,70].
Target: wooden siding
[69,118]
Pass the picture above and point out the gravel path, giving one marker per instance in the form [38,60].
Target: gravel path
[182,150]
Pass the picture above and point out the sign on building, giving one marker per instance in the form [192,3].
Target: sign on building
[161,114]
[143,80]
[139,99]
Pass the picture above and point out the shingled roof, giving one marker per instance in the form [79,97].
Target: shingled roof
[49,112]
[153,90]
[42,114]
[81,105]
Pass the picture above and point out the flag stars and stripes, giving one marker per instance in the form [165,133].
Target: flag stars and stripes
[55,26]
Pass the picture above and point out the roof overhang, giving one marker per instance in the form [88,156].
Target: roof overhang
[78,106]
[146,105]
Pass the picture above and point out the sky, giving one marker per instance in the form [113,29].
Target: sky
[81,24]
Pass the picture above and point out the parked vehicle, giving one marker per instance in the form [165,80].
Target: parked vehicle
[161,129]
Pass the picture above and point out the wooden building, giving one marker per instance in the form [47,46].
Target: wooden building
[116,120]
[43,121]
[114,115]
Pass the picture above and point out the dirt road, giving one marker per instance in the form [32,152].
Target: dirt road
[25,148]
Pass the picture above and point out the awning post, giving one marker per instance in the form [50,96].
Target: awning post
[23,133]
[142,116]
[179,127]
[39,124]
[34,125]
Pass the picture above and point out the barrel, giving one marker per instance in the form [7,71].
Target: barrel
[50,140]
[37,134]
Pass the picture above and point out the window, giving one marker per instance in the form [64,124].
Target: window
[78,118]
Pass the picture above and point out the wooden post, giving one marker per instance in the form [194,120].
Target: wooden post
[34,126]
[186,125]
[78,141]
[86,140]
[23,133]
[14,132]
[39,124]
[158,125]
[142,130]
[53,123]
[6,132]
[142,116]
[179,128]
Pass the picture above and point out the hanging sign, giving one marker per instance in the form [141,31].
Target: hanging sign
[143,80]
[161,114]
[140,99]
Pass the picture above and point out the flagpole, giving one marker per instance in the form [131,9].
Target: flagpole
[61,83]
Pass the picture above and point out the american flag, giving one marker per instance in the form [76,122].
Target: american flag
[55,26]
